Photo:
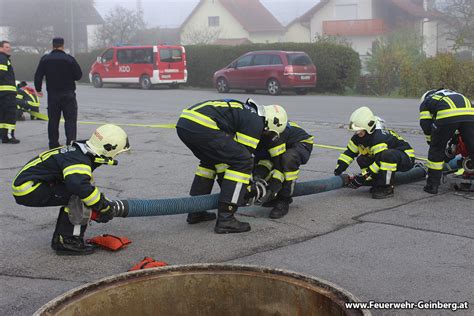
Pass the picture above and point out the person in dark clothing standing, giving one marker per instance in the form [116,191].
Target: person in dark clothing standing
[7,96]
[61,71]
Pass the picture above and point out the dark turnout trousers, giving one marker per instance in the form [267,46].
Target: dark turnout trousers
[65,103]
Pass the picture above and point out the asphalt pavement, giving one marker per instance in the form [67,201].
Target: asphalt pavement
[412,247]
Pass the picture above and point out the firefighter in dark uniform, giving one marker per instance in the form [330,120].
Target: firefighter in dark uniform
[62,175]
[61,71]
[7,96]
[223,134]
[442,112]
[26,100]
[380,154]
[278,161]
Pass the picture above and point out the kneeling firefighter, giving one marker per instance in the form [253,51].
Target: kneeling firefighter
[278,160]
[27,100]
[380,154]
[63,177]
[223,135]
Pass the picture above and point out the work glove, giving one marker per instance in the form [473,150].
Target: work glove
[357,181]
[255,191]
[273,187]
[339,169]
[107,214]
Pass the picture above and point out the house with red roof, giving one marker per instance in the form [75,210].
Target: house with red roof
[361,22]
[231,22]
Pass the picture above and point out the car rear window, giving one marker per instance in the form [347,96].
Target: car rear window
[298,59]
[171,55]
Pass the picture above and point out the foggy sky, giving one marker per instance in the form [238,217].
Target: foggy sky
[168,13]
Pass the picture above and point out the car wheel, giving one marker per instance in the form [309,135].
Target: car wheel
[222,85]
[145,82]
[273,87]
[301,91]
[97,81]
[250,90]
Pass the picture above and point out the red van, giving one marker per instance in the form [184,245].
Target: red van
[270,70]
[145,65]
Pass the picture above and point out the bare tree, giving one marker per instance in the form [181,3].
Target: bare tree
[120,26]
[204,35]
[460,18]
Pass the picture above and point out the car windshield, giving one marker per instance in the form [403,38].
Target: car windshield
[298,59]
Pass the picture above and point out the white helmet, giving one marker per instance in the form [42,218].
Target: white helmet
[427,94]
[108,140]
[363,119]
[275,118]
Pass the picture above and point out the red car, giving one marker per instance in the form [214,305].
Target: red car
[270,70]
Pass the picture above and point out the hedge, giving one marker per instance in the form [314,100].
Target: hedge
[338,65]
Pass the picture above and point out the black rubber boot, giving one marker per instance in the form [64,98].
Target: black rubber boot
[431,189]
[194,218]
[72,246]
[273,203]
[282,205]
[383,192]
[9,139]
[226,222]
[64,242]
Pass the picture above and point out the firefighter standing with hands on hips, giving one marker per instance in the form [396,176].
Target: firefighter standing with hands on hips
[380,154]
[63,177]
[278,160]
[442,112]
[223,135]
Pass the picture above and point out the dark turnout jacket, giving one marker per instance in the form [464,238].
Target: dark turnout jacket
[61,71]
[71,165]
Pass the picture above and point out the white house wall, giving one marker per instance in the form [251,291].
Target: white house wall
[229,27]
[297,33]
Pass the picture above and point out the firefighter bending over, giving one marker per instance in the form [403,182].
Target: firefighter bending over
[223,135]
[380,154]
[63,177]
[442,112]
[278,161]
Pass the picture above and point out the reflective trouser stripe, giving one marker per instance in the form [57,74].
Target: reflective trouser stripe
[435,165]
[8,88]
[25,188]
[205,173]
[237,176]
[386,166]
[291,175]
[8,126]
[93,198]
